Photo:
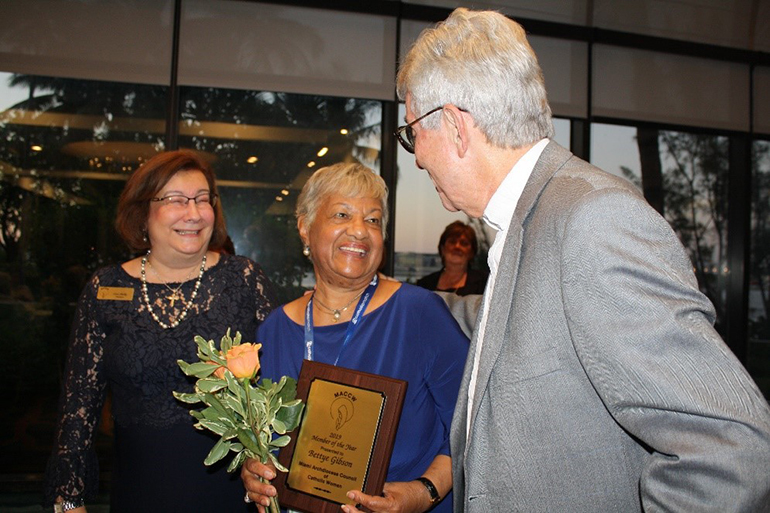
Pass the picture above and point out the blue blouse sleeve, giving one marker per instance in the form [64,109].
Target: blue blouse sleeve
[447,348]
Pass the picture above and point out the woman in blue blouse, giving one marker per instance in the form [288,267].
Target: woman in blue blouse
[357,320]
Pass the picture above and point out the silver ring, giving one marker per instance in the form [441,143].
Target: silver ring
[247,499]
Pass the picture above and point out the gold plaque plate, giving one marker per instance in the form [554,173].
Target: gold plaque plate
[345,439]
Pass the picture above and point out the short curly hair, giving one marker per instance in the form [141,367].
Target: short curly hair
[345,178]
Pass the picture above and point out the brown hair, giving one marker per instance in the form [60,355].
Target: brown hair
[145,183]
[456,229]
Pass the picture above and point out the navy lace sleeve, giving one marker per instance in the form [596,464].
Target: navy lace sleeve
[73,472]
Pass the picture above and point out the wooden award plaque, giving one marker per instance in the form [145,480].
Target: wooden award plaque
[345,439]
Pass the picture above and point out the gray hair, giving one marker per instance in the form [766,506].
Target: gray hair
[481,62]
[347,179]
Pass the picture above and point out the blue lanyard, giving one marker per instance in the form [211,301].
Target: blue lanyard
[353,325]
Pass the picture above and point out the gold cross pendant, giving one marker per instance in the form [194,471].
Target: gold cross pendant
[174,298]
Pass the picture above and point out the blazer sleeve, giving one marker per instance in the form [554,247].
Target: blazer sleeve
[643,333]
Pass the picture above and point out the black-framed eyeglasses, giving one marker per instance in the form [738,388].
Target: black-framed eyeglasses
[203,200]
[405,134]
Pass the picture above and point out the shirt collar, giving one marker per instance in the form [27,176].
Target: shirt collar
[501,206]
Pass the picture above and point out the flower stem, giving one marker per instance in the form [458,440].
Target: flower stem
[274,506]
[247,388]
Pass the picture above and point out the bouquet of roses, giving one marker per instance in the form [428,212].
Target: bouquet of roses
[243,412]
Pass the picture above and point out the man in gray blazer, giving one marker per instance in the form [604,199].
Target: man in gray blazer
[595,380]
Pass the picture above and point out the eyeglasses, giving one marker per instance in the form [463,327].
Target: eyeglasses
[405,134]
[179,201]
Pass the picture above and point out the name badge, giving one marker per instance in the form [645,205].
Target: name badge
[115,293]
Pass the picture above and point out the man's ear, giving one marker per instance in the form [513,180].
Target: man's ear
[459,123]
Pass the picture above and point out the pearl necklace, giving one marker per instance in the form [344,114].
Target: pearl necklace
[336,313]
[187,304]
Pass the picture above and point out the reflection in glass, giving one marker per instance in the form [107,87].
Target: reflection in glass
[263,147]
[614,149]
[695,183]
[758,359]
[685,177]
[66,148]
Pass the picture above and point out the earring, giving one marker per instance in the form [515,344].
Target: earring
[144,237]
[306,251]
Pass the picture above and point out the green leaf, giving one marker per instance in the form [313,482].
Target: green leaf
[200,369]
[234,386]
[219,451]
[247,438]
[204,347]
[226,343]
[234,404]
[288,389]
[213,402]
[278,426]
[215,427]
[281,441]
[210,384]
[187,398]
[183,365]
[291,414]
[277,463]
[237,340]
[214,415]
[237,461]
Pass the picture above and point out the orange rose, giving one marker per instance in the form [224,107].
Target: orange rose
[243,360]
[220,372]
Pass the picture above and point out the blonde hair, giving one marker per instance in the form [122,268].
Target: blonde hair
[347,179]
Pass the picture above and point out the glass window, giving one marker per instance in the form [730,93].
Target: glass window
[758,358]
[66,148]
[264,146]
[684,176]
[695,183]
[421,218]
[614,149]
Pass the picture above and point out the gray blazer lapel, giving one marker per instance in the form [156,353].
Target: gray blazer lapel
[552,158]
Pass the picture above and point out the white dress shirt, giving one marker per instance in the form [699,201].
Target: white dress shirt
[498,216]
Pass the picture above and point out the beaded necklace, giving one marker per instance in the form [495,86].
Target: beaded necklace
[187,305]
[176,292]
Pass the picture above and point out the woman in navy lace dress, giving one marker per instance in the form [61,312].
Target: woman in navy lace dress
[133,322]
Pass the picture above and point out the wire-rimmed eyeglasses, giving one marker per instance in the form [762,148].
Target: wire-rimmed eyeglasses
[405,133]
[205,199]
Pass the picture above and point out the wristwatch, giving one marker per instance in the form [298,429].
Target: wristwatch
[434,496]
[61,507]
